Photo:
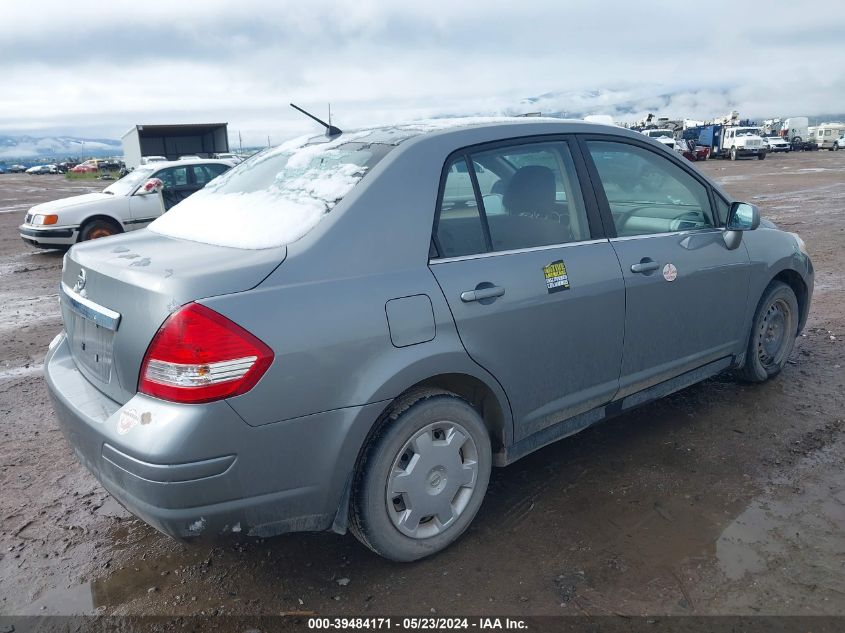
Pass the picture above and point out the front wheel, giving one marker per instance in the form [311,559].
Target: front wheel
[761,156]
[773,333]
[733,153]
[422,478]
[95,229]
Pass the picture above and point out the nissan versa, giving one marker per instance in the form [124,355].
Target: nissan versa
[350,330]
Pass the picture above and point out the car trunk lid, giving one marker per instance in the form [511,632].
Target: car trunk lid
[116,293]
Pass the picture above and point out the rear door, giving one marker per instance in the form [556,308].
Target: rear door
[686,292]
[534,286]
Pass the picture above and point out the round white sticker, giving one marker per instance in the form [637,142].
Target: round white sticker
[670,273]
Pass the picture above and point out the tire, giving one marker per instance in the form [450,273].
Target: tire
[773,333]
[761,156]
[733,153]
[836,147]
[416,435]
[95,229]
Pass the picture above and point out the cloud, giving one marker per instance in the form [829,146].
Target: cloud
[96,69]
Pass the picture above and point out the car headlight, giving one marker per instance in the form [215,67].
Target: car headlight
[41,220]
[800,243]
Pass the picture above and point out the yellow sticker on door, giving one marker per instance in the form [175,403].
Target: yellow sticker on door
[556,277]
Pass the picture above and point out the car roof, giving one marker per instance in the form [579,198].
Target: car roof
[193,161]
[500,126]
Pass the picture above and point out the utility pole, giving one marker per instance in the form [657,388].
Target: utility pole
[240,143]
[268,141]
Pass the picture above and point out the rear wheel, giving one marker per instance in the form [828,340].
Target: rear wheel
[773,333]
[95,229]
[422,478]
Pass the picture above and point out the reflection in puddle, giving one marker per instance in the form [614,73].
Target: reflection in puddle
[800,516]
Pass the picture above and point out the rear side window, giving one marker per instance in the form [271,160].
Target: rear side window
[529,197]
[206,173]
[460,230]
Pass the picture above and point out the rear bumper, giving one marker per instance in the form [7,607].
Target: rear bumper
[49,238]
[199,469]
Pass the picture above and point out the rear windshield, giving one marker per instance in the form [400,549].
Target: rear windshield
[276,196]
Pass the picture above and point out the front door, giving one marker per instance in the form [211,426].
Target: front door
[536,294]
[686,291]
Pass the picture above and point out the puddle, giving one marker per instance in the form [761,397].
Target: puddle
[19,372]
[75,600]
[803,515]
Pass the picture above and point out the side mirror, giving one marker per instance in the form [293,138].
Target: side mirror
[153,185]
[743,217]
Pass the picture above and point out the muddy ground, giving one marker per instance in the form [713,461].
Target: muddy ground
[722,499]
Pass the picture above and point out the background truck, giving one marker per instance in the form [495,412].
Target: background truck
[172,141]
[662,135]
[736,141]
[795,130]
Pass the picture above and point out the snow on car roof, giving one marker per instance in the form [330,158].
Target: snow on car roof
[277,196]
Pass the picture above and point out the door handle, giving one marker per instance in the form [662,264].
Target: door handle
[482,293]
[646,265]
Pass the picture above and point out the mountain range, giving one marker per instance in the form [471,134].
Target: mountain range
[29,148]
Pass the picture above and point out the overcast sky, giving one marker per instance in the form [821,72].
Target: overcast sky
[95,69]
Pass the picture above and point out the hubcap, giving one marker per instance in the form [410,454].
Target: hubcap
[432,479]
[774,331]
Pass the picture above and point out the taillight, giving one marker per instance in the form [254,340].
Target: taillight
[198,355]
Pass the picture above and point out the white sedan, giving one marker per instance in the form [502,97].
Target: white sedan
[122,206]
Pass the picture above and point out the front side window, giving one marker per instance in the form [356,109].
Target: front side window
[529,197]
[173,177]
[647,193]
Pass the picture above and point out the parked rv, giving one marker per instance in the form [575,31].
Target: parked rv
[827,135]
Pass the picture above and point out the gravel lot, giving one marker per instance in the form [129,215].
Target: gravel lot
[722,499]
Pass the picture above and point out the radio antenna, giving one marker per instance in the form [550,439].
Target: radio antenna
[331,130]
